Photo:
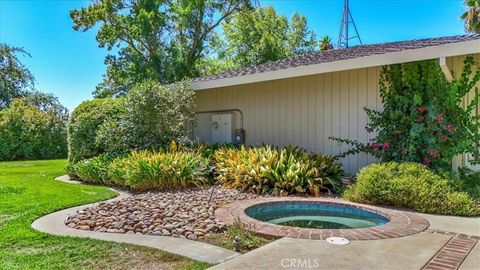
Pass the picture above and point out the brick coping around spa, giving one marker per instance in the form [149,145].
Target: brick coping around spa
[400,223]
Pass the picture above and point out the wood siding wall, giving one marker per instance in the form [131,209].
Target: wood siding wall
[303,111]
[456,66]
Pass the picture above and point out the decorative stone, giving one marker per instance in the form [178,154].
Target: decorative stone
[84,227]
[212,228]
[119,225]
[186,213]
[169,227]
[192,237]
[166,233]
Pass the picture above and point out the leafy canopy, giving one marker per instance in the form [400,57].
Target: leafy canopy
[15,80]
[424,119]
[156,39]
[28,131]
[472,16]
[257,36]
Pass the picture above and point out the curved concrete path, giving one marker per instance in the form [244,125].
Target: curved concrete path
[54,224]
[409,252]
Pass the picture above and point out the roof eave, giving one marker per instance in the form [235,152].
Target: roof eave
[432,52]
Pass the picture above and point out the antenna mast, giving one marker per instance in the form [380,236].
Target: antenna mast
[347,19]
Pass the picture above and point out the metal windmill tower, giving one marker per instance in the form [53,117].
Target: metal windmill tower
[344,35]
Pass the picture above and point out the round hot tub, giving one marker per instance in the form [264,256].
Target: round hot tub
[320,218]
[315,215]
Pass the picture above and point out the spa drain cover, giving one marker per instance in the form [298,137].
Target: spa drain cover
[338,241]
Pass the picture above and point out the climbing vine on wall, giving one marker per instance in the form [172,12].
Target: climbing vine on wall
[425,118]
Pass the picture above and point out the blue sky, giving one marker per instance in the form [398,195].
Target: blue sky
[69,64]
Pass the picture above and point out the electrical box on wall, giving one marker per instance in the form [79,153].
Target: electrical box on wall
[222,128]
[239,136]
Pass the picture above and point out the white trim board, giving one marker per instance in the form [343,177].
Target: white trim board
[432,52]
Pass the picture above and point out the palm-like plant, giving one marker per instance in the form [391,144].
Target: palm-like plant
[326,44]
[472,16]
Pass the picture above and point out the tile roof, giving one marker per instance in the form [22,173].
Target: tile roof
[340,54]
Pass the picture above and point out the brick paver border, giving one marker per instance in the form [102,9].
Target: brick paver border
[400,223]
[452,254]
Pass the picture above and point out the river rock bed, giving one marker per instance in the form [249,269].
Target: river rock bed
[183,213]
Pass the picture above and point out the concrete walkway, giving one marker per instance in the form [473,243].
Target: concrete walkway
[54,224]
[411,252]
[466,225]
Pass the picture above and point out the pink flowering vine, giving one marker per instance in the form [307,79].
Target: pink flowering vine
[433,153]
[422,110]
[443,138]
[441,117]
[385,146]
[426,161]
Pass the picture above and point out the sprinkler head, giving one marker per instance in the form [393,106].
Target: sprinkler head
[236,244]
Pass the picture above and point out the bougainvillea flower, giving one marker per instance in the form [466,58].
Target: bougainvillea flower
[422,110]
[443,138]
[385,146]
[433,153]
[426,161]
[441,117]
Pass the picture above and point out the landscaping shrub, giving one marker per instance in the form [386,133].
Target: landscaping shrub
[155,115]
[410,185]
[93,170]
[145,170]
[268,170]
[157,170]
[469,181]
[28,131]
[209,150]
[84,124]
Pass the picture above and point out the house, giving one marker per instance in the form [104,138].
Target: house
[306,99]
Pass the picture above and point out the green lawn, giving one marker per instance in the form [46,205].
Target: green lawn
[28,191]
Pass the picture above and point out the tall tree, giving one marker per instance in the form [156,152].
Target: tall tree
[15,79]
[47,103]
[262,35]
[157,39]
[472,16]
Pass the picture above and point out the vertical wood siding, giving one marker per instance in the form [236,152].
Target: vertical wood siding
[456,66]
[304,111]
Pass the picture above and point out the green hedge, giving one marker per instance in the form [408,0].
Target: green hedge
[268,170]
[92,170]
[84,124]
[145,170]
[27,132]
[155,116]
[410,185]
[148,118]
